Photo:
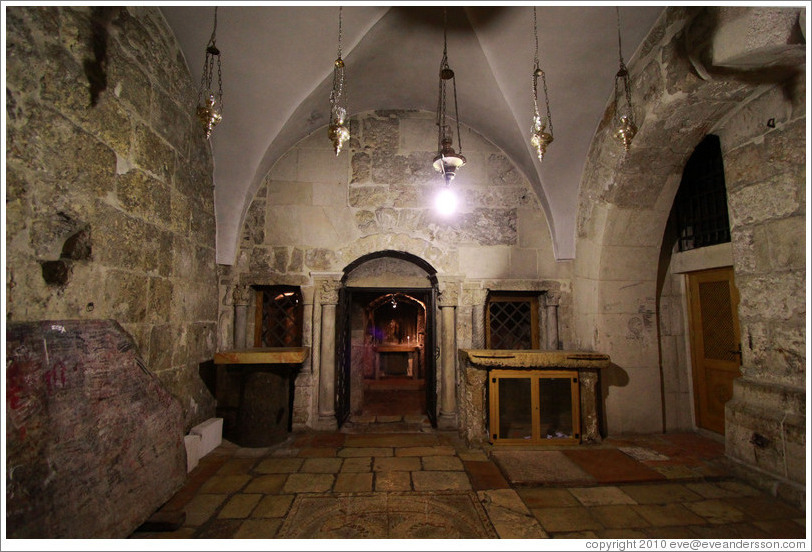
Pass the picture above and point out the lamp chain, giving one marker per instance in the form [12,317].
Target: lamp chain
[340,31]
[623,70]
[537,69]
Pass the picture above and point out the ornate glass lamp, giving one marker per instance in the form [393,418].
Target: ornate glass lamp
[447,161]
[625,127]
[541,129]
[209,107]
[338,131]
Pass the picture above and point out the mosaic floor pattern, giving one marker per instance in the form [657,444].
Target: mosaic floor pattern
[407,515]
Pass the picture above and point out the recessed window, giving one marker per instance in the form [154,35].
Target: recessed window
[511,321]
[279,317]
[701,202]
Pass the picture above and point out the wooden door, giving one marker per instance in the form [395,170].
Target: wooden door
[715,343]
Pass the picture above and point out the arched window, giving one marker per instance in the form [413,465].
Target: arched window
[701,202]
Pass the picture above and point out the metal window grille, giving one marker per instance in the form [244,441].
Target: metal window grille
[280,317]
[701,202]
[512,322]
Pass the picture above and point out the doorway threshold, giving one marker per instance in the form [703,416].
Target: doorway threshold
[368,423]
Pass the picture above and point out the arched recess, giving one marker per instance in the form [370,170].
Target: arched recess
[431,272]
[367,282]
[624,203]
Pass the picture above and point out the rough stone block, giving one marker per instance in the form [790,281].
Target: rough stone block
[211,435]
[94,441]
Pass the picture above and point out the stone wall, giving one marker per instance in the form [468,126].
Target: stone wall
[765,169]
[756,107]
[109,200]
[316,212]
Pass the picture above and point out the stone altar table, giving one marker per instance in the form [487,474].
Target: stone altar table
[255,393]
[476,364]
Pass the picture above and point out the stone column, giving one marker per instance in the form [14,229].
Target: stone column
[328,297]
[478,323]
[448,300]
[588,388]
[551,305]
[242,298]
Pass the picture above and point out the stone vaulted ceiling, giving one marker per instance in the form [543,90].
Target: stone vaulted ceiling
[277,72]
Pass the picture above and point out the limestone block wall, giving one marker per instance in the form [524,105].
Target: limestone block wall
[765,167]
[109,204]
[317,213]
[757,110]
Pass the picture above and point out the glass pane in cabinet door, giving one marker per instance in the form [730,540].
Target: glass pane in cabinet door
[555,412]
[515,408]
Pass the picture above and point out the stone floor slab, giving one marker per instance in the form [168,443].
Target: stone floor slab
[618,516]
[279,465]
[308,483]
[237,466]
[219,529]
[441,463]
[544,467]
[439,450]
[510,517]
[321,465]
[258,529]
[611,466]
[353,483]
[266,484]
[352,452]
[716,511]
[565,520]
[547,497]
[225,484]
[396,464]
[661,515]
[272,506]
[660,493]
[440,481]
[201,508]
[393,481]
[485,475]
[391,440]
[239,506]
[357,464]
[597,496]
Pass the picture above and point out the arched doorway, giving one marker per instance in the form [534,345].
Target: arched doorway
[386,343]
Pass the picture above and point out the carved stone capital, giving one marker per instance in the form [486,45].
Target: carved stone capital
[448,293]
[474,296]
[328,291]
[552,299]
[241,295]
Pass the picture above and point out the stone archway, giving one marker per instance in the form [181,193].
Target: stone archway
[364,349]
[625,200]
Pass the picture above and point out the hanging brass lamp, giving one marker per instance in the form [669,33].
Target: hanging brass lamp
[338,131]
[447,161]
[541,129]
[209,108]
[625,127]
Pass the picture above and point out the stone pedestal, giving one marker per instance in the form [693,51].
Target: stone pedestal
[476,364]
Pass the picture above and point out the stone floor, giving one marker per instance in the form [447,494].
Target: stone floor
[427,484]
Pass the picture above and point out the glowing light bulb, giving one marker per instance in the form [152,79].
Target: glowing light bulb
[446,202]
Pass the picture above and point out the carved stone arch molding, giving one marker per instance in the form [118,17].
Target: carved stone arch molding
[419,267]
